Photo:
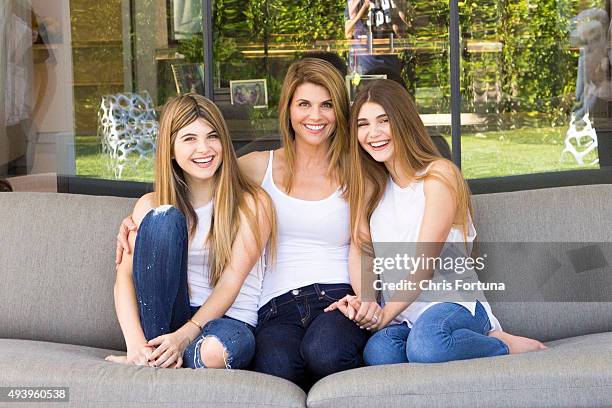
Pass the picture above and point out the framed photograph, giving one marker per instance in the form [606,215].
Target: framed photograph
[188,78]
[250,92]
[355,82]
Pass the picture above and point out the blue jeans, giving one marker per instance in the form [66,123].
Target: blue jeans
[297,341]
[160,280]
[444,332]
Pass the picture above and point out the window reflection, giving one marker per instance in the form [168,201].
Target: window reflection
[36,129]
[69,66]
[535,77]
[402,39]
[536,87]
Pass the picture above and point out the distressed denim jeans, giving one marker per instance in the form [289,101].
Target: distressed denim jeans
[160,280]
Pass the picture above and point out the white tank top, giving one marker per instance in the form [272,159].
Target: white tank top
[246,304]
[398,218]
[313,241]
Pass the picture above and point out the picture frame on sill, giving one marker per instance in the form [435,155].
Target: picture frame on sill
[249,92]
[188,78]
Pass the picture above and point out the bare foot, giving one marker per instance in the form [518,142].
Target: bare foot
[117,359]
[517,344]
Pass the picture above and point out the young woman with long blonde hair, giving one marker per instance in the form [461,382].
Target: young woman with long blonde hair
[189,294]
[404,196]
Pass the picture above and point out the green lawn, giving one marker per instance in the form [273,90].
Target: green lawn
[487,154]
[90,162]
[520,151]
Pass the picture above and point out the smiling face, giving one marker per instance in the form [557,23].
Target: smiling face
[374,132]
[312,114]
[197,150]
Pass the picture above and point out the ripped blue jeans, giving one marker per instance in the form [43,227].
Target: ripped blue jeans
[160,280]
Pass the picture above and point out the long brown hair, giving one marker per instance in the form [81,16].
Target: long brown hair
[413,148]
[322,73]
[229,184]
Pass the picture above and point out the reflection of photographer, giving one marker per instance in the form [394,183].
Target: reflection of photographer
[355,11]
[380,16]
[366,20]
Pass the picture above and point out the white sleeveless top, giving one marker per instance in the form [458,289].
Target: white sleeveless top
[313,241]
[398,218]
[246,304]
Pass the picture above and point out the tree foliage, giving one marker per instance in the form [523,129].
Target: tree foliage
[535,69]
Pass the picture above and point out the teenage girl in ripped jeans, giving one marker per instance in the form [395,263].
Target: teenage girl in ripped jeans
[188,296]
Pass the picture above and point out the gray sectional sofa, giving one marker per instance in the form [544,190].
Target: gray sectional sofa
[57,319]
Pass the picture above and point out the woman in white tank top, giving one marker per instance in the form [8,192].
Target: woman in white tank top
[189,295]
[408,200]
[296,340]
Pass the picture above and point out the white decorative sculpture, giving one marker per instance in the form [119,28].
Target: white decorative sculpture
[127,127]
[574,138]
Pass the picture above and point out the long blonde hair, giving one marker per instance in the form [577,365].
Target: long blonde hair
[414,151]
[322,73]
[229,184]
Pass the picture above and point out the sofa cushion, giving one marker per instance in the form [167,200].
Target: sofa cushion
[565,216]
[95,382]
[561,214]
[574,372]
[547,321]
[57,267]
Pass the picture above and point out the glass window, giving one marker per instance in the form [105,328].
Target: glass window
[535,86]
[36,108]
[256,41]
[84,83]
[84,80]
